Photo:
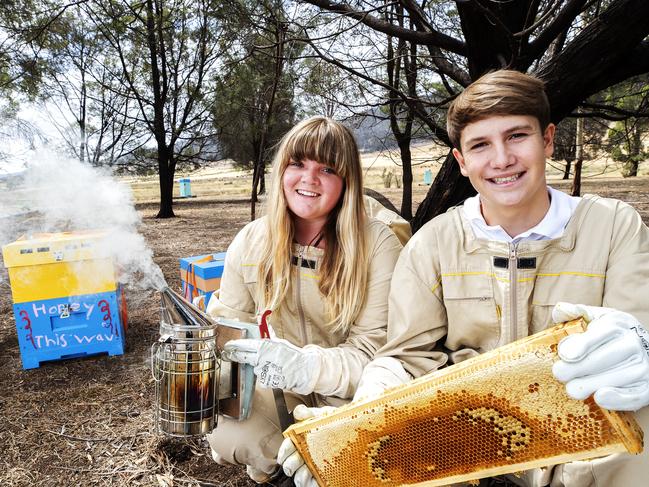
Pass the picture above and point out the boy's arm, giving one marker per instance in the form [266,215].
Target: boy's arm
[627,274]
[416,313]
[611,358]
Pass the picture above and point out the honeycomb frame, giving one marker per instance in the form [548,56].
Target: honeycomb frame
[510,415]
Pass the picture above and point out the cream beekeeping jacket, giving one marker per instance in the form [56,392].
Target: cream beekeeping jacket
[399,226]
[454,296]
[302,319]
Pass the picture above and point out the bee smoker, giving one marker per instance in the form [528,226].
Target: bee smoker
[193,385]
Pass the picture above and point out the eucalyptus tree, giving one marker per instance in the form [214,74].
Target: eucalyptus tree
[579,47]
[629,132]
[167,51]
[255,101]
[80,93]
[25,45]
[24,38]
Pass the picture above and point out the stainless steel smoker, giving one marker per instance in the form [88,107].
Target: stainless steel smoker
[193,384]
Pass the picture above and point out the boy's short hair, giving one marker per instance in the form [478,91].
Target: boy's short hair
[502,92]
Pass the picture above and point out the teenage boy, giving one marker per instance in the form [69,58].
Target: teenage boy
[511,261]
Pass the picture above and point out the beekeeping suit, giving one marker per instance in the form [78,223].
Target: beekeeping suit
[325,366]
[454,296]
[399,226]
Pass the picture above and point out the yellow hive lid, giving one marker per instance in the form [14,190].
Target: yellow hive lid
[48,248]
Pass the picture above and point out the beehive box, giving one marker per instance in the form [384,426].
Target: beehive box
[201,275]
[501,412]
[185,188]
[67,302]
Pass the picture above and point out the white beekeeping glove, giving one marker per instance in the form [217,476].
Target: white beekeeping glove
[380,374]
[277,363]
[290,459]
[610,359]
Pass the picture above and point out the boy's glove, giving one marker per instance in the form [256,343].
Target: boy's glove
[610,359]
[290,459]
[277,363]
[380,374]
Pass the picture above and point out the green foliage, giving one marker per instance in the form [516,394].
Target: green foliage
[240,113]
[244,90]
[626,137]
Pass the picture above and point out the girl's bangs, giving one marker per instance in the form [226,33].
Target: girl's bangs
[321,144]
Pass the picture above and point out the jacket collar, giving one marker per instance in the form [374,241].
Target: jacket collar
[566,243]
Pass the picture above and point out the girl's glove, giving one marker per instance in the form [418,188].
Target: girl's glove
[277,362]
[290,459]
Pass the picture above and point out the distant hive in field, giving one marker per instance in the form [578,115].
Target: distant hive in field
[500,412]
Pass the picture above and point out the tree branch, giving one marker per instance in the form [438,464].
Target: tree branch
[415,104]
[606,52]
[560,23]
[433,37]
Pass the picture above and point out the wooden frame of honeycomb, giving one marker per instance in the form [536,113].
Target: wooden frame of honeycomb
[500,412]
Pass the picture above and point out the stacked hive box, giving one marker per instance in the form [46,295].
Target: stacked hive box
[67,302]
[201,275]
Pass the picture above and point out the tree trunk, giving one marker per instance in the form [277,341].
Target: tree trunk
[576,182]
[406,161]
[635,147]
[262,180]
[254,189]
[82,141]
[579,155]
[566,172]
[406,56]
[448,189]
[82,118]
[258,173]
[166,178]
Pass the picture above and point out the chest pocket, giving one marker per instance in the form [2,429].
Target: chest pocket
[570,287]
[473,317]
[249,275]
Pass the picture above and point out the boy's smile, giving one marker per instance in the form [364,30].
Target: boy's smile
[504,158]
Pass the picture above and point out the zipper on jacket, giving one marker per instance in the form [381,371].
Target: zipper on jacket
[298,296]
[300,311]
[513,314]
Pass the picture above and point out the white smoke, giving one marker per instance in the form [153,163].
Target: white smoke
[56,194]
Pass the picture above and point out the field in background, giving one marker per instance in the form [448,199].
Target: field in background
[223,180]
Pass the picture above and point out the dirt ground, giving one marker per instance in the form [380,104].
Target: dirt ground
[90,421]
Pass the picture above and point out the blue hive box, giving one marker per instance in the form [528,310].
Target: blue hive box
[185,188]
[70,327]
[201,275]
[67,302]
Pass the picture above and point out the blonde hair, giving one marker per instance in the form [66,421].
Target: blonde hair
[502,92]
[344,267]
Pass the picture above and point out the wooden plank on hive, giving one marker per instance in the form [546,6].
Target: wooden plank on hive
[500,412]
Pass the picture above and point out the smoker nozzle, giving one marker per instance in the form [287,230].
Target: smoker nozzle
[175,311]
